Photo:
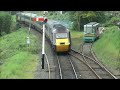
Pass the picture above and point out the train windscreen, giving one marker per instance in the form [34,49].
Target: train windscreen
[61,35]
[89,30]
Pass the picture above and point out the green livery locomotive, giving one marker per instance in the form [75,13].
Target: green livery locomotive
[91,32]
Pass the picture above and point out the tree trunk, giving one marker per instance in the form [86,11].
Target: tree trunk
[78,21]
[78,24]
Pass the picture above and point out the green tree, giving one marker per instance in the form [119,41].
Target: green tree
[75,17]
[8,21]
[5,22]
[82,17]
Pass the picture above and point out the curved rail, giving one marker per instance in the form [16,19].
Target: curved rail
[102,65]
[86,65]
[96,61]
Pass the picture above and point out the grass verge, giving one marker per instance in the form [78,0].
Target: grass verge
[17,60]
[107,49]
[76,39]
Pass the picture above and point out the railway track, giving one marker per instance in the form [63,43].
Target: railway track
[68,71]
[91,54]
[96,67]
[48,66]
[86,49]
[66,67]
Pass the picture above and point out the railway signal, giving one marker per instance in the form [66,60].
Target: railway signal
[43,46]
[43,20]
[40,19]
[43,41]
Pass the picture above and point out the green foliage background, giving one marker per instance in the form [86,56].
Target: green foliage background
[6,23]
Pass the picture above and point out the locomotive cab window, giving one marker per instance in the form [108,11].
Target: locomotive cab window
[89,30]
[61,35]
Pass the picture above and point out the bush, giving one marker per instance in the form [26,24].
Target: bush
[112,21]
[5,23]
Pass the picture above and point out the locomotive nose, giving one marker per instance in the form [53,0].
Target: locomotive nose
[62,45]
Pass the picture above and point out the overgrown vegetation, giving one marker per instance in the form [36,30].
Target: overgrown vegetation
[58,16]
[107,48]
[22,65]
[83,17]
[17,60]
[6,23]
[112,21]
[76,39]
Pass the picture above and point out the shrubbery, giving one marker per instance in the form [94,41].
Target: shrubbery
[58,16]
[112,21]
[17,60]
[108,46]
[5,23]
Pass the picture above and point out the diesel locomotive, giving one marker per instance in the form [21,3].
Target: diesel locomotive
[56,33]
[91,32]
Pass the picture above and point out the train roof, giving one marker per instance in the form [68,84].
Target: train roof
[53,23]
[91,24]
[27,14]
[20,13]
[39,17]
[60,30]
[30,14]
[57,26]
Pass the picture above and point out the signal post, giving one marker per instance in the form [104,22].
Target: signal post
[43,46]
[43,20]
